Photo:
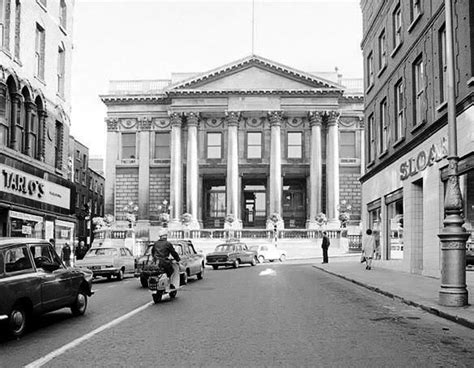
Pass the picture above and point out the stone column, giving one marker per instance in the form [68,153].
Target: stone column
[232,183]
[176,172]
[192,169]
[316,169]
[29,106]
[275,118]
[332,169]
[42,115]
[15,100]
[111,158]
[144,172]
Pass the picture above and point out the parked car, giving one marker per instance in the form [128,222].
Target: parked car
[108,261]
[192,262]
[268,252]
[34,280]
[231,254]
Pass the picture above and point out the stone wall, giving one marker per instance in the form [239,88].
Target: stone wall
[126,190]
[159,190]
[350,191]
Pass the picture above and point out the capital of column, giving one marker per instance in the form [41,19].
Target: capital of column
[112,124]
[192,118]
[315,118]
[332,118]
[16,97]
[232,118]
[275,118]
[176,119]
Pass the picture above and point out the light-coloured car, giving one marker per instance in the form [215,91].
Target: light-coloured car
[109,261]
[268,252]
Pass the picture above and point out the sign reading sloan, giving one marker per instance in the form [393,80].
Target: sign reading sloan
[33,187]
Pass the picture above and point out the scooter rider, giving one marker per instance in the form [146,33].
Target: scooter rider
[161,252]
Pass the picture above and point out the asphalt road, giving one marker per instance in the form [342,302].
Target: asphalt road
[271,315]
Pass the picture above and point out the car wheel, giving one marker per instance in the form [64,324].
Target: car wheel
[236,263]
[283,258]
[183,280]
[144,281]
[254,261]
[215,267]
[120,275]
[17,321]
[157,297]
[261,259]
[173,294]
[80,304]
[200,274]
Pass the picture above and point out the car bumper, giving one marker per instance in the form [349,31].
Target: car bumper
[105,272]
[220,263]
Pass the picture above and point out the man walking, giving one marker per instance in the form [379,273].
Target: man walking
[325,245]
[66,255]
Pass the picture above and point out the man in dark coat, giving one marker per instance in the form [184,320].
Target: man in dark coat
[66,255]
[325,245]
[161,252]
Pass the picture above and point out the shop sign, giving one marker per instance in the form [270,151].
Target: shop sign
[25,216]
[33,187]
[25,229]
[423,159]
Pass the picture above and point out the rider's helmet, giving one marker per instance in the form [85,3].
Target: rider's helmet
[163,234]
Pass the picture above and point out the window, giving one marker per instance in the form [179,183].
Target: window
[61,70]
[84,161]
[214,145]
[217,200]
[5,10]
[76,175]
[371,138]
[20,125]
[419,87]
[162,146]
[17,259]
[63,14]
[39,52]
[347,147]
[295,145]
[128,145]
[33,134]
[370,69]
[5,106]
[443,77]
[399,116]
[382,51]
[254,145]
[383,127]
[58,147]
[397,26]
[17,28]
[415,9]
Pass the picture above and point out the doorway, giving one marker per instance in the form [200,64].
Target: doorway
[254,204]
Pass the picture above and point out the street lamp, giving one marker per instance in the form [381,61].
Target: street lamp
[131,209]
[453,237]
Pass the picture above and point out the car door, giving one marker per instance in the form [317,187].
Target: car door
[126,260]
[56,286]
[194,259]
[247,254]
[130,260]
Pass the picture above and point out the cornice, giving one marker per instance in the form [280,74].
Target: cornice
[292,92]
[126,99]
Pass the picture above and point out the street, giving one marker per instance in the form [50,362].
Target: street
[271,315]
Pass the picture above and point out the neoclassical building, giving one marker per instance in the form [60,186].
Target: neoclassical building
[247,140]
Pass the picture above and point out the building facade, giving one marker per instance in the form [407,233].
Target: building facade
[404,47]
[244,142]
[35,67]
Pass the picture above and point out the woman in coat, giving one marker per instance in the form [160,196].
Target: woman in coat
[368,248]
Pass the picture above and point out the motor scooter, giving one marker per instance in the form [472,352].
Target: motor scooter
[159,283]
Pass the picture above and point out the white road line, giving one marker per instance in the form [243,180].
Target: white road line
[54,354]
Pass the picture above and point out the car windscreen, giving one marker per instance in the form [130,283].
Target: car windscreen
[225,248]
[101,252]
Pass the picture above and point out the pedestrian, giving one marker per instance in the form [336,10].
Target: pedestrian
[325,245]
[66,255]
[368,248]
[81,250]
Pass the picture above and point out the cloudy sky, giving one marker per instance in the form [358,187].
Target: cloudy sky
[150,39]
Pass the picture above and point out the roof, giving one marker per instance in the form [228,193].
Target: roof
[6,242]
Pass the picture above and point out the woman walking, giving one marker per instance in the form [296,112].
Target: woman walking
[368,248]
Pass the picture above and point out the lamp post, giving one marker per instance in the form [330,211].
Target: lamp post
[453,237]
[131,209]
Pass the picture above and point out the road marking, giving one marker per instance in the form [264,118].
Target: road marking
[267,272]
[54,354]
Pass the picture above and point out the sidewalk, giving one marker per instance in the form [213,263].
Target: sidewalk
[416,290]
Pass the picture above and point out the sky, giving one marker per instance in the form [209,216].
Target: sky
[150,39]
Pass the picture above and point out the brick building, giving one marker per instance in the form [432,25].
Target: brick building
[404,47]
[244,141]
[35,69]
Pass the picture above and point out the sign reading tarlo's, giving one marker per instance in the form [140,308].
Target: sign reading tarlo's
[19,183]
[424,159]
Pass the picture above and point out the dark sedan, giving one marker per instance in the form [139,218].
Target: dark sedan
[231,254]
[33,281]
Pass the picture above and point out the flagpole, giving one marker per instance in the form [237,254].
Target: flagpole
[253,26]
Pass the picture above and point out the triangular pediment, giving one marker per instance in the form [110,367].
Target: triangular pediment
[255,73]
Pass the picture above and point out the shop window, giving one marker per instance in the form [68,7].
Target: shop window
[295,145]
[214,145]
[254,145]
[347,147]
[419,88]
[395,229]
[26,226]
[162,146]
[399,111]
[129,146]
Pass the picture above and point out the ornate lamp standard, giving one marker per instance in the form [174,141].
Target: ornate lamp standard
[131,209]
[453,237]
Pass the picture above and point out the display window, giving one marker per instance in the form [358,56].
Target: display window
[25,225]
[375,224]
[63,233]
[395,229]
